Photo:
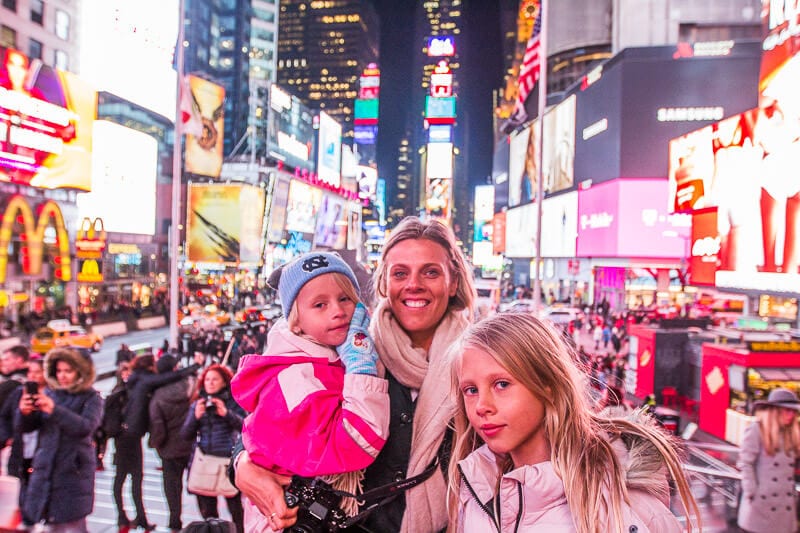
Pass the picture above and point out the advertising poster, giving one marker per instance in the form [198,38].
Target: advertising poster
[499,233]
[329,161]
[331,231]
[558,156]
[560,225]
[522,166]
[277,210]
[46,121]
[439,161]
[301,209]
[367,181]
[290,130]
[439,198]
[223,223]
[521,231]
[705,251]
[204,153]
[353,227]
[124,168]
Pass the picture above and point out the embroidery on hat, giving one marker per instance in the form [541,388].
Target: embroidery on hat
[313,263]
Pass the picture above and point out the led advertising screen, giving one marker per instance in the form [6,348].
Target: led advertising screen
[440,110]
[439,161]
[331,231]
[224,223]
[440,133]
[204,153]
[439,198]
[558,155]
[499,233]
[124,169]
[366,112]
[500,164]
[277,208]
[290,130]
[301,209]
[367,181]
[482,225]
[628,218]
[365,134]
[441,46]
[127,51]
[521,231]
[46,121]
[705,251]
[354,227]
[329,160]
[560,225]
[521,179]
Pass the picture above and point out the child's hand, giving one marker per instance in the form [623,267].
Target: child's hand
[358,351]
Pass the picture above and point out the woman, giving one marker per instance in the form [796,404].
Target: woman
[60,483]
[214,422]
[425,295]
[770,447]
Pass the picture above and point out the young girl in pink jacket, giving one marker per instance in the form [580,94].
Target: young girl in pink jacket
[317,407]
[531,455]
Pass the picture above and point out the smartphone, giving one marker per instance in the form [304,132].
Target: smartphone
[31,387]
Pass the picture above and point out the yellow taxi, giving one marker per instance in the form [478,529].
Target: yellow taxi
[63,333]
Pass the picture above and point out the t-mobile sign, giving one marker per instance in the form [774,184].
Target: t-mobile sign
[628,218]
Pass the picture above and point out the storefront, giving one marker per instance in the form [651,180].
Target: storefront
[736,375]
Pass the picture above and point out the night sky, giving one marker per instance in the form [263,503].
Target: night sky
[482,70]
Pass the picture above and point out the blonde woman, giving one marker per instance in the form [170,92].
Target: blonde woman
[531,455]
[770,447]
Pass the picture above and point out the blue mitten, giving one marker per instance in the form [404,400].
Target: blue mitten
[358,351]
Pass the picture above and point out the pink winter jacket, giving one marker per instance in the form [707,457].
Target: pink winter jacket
[307,416]
[532,500]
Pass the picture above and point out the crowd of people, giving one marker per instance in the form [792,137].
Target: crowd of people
[410,416]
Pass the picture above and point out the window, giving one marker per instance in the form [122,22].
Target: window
[62,24]
[61,60]
[10,4]
[37,12]
[8,37]
[34,49]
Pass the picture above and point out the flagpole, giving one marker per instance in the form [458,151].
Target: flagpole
[537,282]
[175,232]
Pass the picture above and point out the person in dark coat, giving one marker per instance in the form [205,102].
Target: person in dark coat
[168,409]
[60,486]
[214,423]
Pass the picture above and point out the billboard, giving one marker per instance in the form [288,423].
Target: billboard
[439,198]
[277,208]
[441,46]
[224,223]
[558,153]
[440,133]
[560,225]
[124,170]
[439,161]
[482,225]
[367,181]
[521,231]
[366,112]
[290,130]
[204,153]
[331,231]
[127,51]
[45,124]
[354,227]
[521,180]
[628,218]
[329,159]
[440,110]
[301,209]
[365,134]
[705,251]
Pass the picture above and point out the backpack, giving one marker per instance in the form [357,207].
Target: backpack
[113,424]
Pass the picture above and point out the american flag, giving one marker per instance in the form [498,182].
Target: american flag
[531,63]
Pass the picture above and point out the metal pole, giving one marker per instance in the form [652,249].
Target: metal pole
[177,151]
[537,283]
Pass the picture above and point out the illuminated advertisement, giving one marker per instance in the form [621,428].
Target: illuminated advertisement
[367,181]
[366,112]
[705,250]
[365,134]
[440,110]
[482,225]
[441,81]
[439,197]
[440,133]
[521,231]
[521,178]
[380,201]
[628,218]
[290,130]
[124,169]
[329,160]
[499,233]
[331,231]
[277,209]
[560,225]
[122,44]
[29,226]
[500,164]
[204,153]
[301,209]
[224,223]
[558,154]
[369,83]
[354,227]
[441,47]
[439,162]
[45,124]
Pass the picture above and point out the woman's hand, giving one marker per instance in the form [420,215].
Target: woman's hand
[27,404]
[221,409]
[44,403]
[265,491]
[199,408]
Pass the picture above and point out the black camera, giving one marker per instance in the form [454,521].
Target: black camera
[211,407]
[319,510]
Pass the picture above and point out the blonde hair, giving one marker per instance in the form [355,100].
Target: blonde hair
[342,281]
[431,230]
[775,436]
[581,441]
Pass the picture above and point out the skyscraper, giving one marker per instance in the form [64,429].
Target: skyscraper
[323,47]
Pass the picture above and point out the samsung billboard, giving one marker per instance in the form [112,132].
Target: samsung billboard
[290,133]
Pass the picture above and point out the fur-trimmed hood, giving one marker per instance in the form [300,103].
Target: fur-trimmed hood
[83,364]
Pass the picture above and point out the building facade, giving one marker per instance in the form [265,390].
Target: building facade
[47,31]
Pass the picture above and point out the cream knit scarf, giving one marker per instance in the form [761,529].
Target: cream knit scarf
[428,372]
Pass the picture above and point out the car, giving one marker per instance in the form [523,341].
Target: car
[523,305]
[63,333]
[561,315]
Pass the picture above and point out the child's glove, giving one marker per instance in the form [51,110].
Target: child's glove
[358,351]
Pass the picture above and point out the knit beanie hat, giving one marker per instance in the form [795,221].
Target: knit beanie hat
[291,277]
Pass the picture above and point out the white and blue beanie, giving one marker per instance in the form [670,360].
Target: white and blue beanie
[295,274]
